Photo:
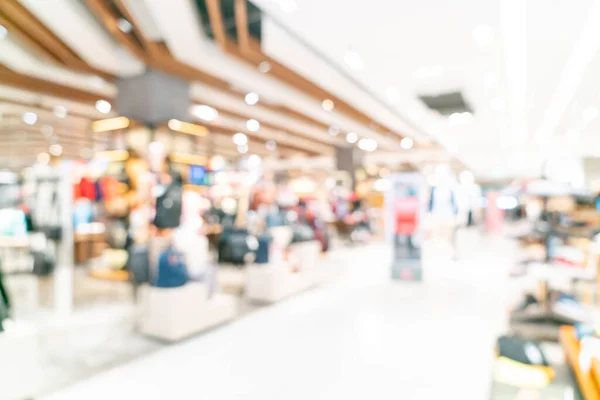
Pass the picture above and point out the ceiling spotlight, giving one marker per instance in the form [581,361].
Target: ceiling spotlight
[3,32]
[333,130]
[242,149]
[43,158]
[56,150]
[217,163]
[354,60]
[372,145]
[498,104]
[251,98]
[240,139]
[590,113]
[30,118]
[254,161]
[264,67]
[393,94]
[351,137]
[271,145]
[205,113]
[103,106]
[253,125]
[483,35]
[367,144]
[124,25]
[327,105]
[60,111]
[288,6]
[406,143]
[47,130]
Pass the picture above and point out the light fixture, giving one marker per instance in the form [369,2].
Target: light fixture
[254,161]
[217,163]
[393,94]
[252,125]
[30,118]
[498,104]
[264,67]
[47,130]
[483,35]
[60,111]
[111,124]
[351,137]
[288,6]
[460,117]
[103,106]
[43,158]
[429,71]
[367,144]
[3,32]
[490,81]
[56,150]
[240,139]
[589,113]
[333,130]
[242,149]
[186,127]
[271,145]
[354,60]
[406,143]
[124,25]
[205,113]
[327,105]
[251,98]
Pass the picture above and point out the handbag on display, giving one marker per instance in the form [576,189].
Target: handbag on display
[262,253]
[302,233]
[235,246]
[169,206]
[172,271]
[194,247]
[138,264]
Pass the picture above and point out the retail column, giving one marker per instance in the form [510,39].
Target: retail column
[63,275]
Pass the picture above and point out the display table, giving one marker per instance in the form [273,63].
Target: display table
[588,381]
[19,368]
[269,283]
[174,314]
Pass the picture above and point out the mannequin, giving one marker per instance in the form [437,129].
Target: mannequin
[443,205]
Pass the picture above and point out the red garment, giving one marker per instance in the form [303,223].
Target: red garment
[87,189]
[407,213]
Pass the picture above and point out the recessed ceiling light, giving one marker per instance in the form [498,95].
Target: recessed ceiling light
[253,125]
[498,104]
[264,67]
[271,145]
[288,6]
[590,113]
[333,130]
[56,150]
[240,139]
[351,137]
[393,94]
[124,25]
[30,118]
[367,144]
[242,149]
[429,71]
[490,81]
[406,143]
[43,158]
[205,113]
[328,105]
[3,32]
[483,35]
[254,161]
[103,106]
[60,111]
[251,98]
[354,60]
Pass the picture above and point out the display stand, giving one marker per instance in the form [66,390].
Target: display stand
[588,381]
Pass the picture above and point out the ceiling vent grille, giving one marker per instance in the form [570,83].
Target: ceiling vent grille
[447,103]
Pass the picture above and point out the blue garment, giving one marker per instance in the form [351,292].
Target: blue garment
[172,271]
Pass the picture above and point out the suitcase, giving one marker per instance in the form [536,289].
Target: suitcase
[172,271]
[234,246]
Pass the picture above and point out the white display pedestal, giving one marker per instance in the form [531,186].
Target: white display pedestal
[19,368]
[174,314]
[307,255]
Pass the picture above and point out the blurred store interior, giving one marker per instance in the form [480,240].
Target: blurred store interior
[299,199]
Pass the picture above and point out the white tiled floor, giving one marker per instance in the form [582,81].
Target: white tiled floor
[362,336]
